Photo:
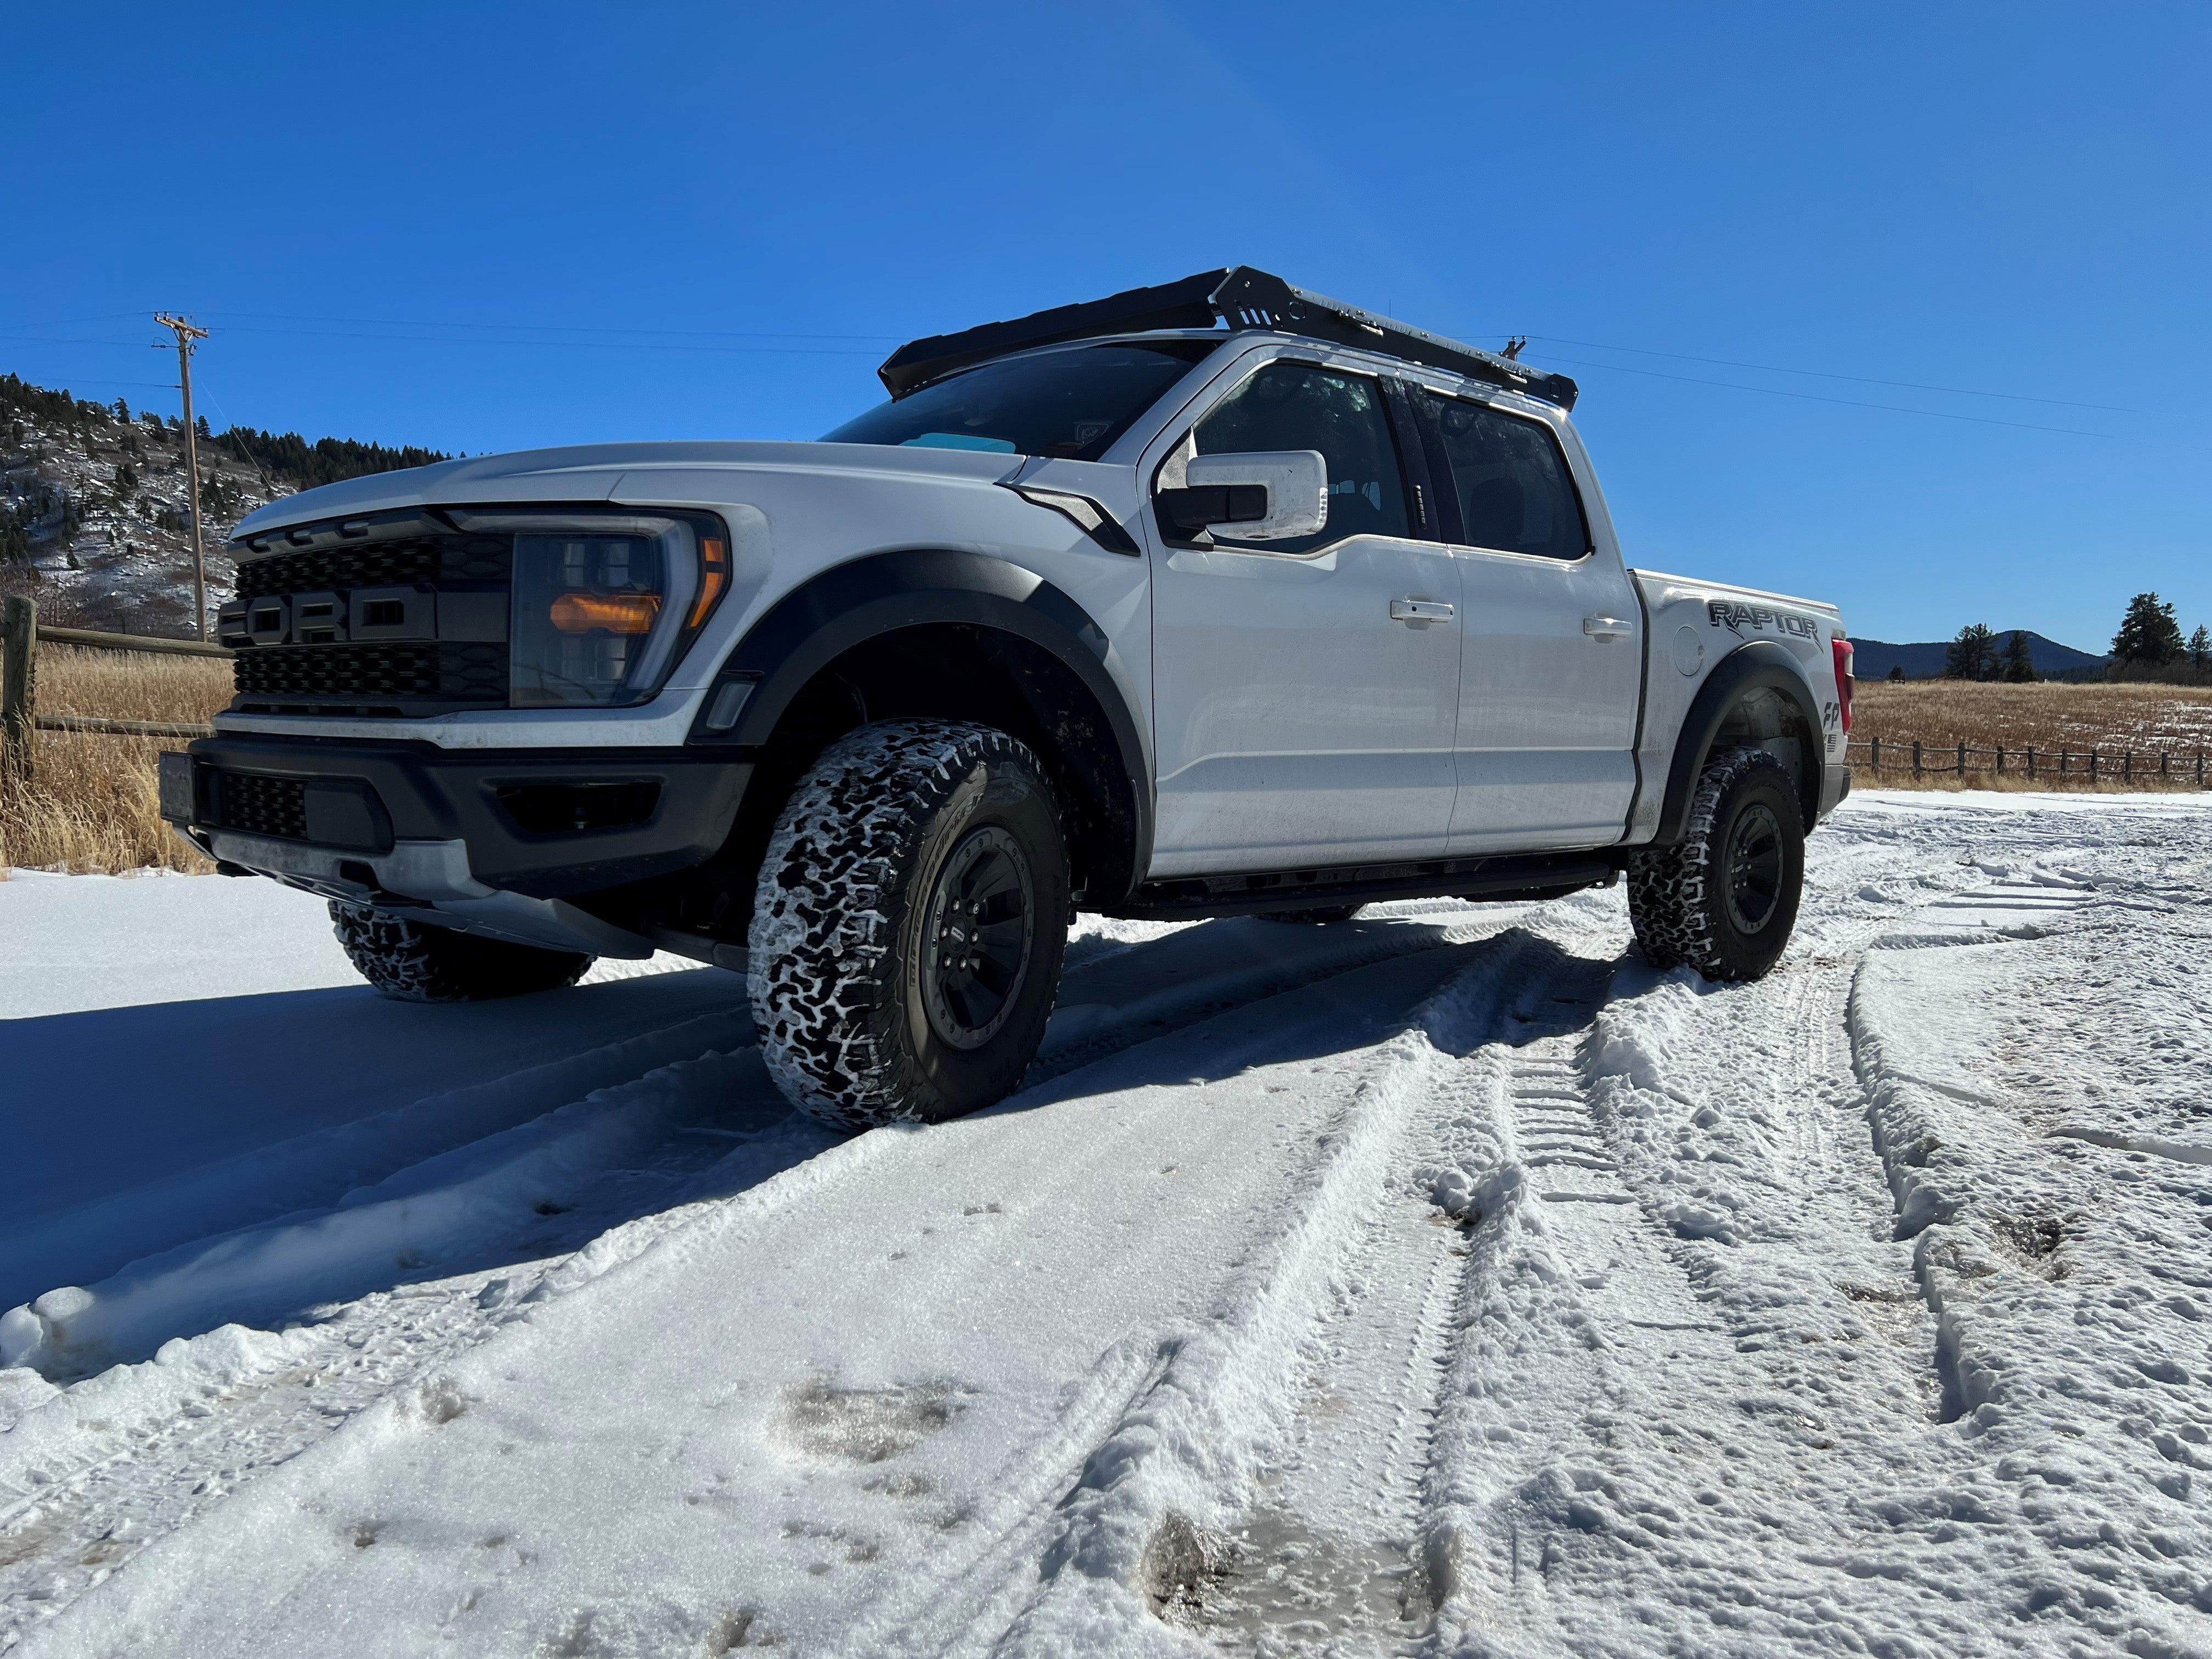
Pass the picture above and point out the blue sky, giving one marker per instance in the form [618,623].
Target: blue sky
[485,227]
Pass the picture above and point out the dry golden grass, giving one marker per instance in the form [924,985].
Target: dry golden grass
[92,804]
[2139,719]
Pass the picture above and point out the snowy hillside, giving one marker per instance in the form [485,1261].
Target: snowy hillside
[1445,1282]
[95,519]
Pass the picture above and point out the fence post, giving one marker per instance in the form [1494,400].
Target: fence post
[2093,766]
[2164,755]
[1962,760]
[2200,769]
[1915,757]
[2000,760]
[1874,764]
[19,663]
[2030,760]
[2062,758]
[2127,762]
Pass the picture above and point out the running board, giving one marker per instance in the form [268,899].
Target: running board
[1526,876]
[715,953]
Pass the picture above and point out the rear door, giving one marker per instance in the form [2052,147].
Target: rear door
[1306,691]
[1552,640]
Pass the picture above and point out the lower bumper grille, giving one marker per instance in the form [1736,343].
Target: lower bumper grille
[255,805]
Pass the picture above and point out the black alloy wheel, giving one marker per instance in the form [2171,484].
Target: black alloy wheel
[1753,864]
[977,941]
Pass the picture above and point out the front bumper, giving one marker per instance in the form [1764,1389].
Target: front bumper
[499,843]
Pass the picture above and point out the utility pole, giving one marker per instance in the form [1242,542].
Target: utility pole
[186,334]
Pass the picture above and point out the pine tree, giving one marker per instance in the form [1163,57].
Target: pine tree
[2200,648]
[2019,664]
[2148,633]
[1973,655]
[122,409]
[1896,670]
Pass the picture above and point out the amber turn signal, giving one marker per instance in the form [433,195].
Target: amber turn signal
[713,577]
[618,613]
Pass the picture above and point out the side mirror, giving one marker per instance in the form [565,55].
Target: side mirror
[1258,497]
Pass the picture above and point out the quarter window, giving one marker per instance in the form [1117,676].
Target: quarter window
[1515,493]
[1305,406]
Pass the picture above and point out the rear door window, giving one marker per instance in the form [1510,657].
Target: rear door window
[1511,481]
[1305,406]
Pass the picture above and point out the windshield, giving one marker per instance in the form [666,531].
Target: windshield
[1072,404]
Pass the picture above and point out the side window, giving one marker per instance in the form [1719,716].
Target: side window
[1303,406]
[1513,490]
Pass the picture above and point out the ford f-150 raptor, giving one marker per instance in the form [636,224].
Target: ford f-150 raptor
[1215,597]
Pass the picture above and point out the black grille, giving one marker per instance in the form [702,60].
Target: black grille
[460,667]
[379,564]
[257,805]
[374,674]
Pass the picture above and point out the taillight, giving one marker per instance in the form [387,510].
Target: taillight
[1845,682]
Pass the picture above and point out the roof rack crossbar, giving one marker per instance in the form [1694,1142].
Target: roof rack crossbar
[1236,296]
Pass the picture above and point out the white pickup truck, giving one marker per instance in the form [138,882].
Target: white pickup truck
[1209,598]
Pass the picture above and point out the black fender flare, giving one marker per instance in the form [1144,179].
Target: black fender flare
[847,604]
[1760,665]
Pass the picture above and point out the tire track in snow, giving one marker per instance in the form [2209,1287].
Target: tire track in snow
[1343,1548]
[1155,1512]
[241,1402]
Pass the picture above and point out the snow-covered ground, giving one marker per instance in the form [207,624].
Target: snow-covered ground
[1446,1282]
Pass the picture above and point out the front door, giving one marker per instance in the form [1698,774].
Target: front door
[1306,691]
[1553,638]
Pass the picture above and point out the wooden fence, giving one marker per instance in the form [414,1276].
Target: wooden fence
[2166,766]
[20,639]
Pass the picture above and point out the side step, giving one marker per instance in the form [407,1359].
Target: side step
[1526,876]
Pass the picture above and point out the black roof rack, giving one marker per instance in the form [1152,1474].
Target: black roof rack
[1236,295]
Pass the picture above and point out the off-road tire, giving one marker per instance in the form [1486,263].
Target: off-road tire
[1679,897]
[849,993]
[1320,913]
[414,962]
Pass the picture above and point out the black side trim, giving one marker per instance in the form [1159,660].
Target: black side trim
[1528,876]
[1760,665]
[1414,463]
[850,603]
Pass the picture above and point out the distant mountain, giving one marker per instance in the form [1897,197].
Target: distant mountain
[1872,660]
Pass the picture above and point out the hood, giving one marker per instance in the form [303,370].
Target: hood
[599,472]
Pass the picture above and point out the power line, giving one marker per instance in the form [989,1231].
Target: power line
[1848,402]
[561,345]
[152,385]
[560,328]
[72,322]
[1825,375]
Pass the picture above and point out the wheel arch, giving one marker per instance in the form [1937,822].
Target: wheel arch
[1756,696]
[929,631]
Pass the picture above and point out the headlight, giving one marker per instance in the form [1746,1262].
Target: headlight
[603,605]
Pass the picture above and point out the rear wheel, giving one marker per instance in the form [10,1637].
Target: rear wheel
[414,962]
[909,924]
[1724,901]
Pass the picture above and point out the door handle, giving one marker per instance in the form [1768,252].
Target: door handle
[1421,610]
[1607,628]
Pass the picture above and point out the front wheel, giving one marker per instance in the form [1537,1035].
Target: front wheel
[1723,901]
[414,962]
[909,924]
